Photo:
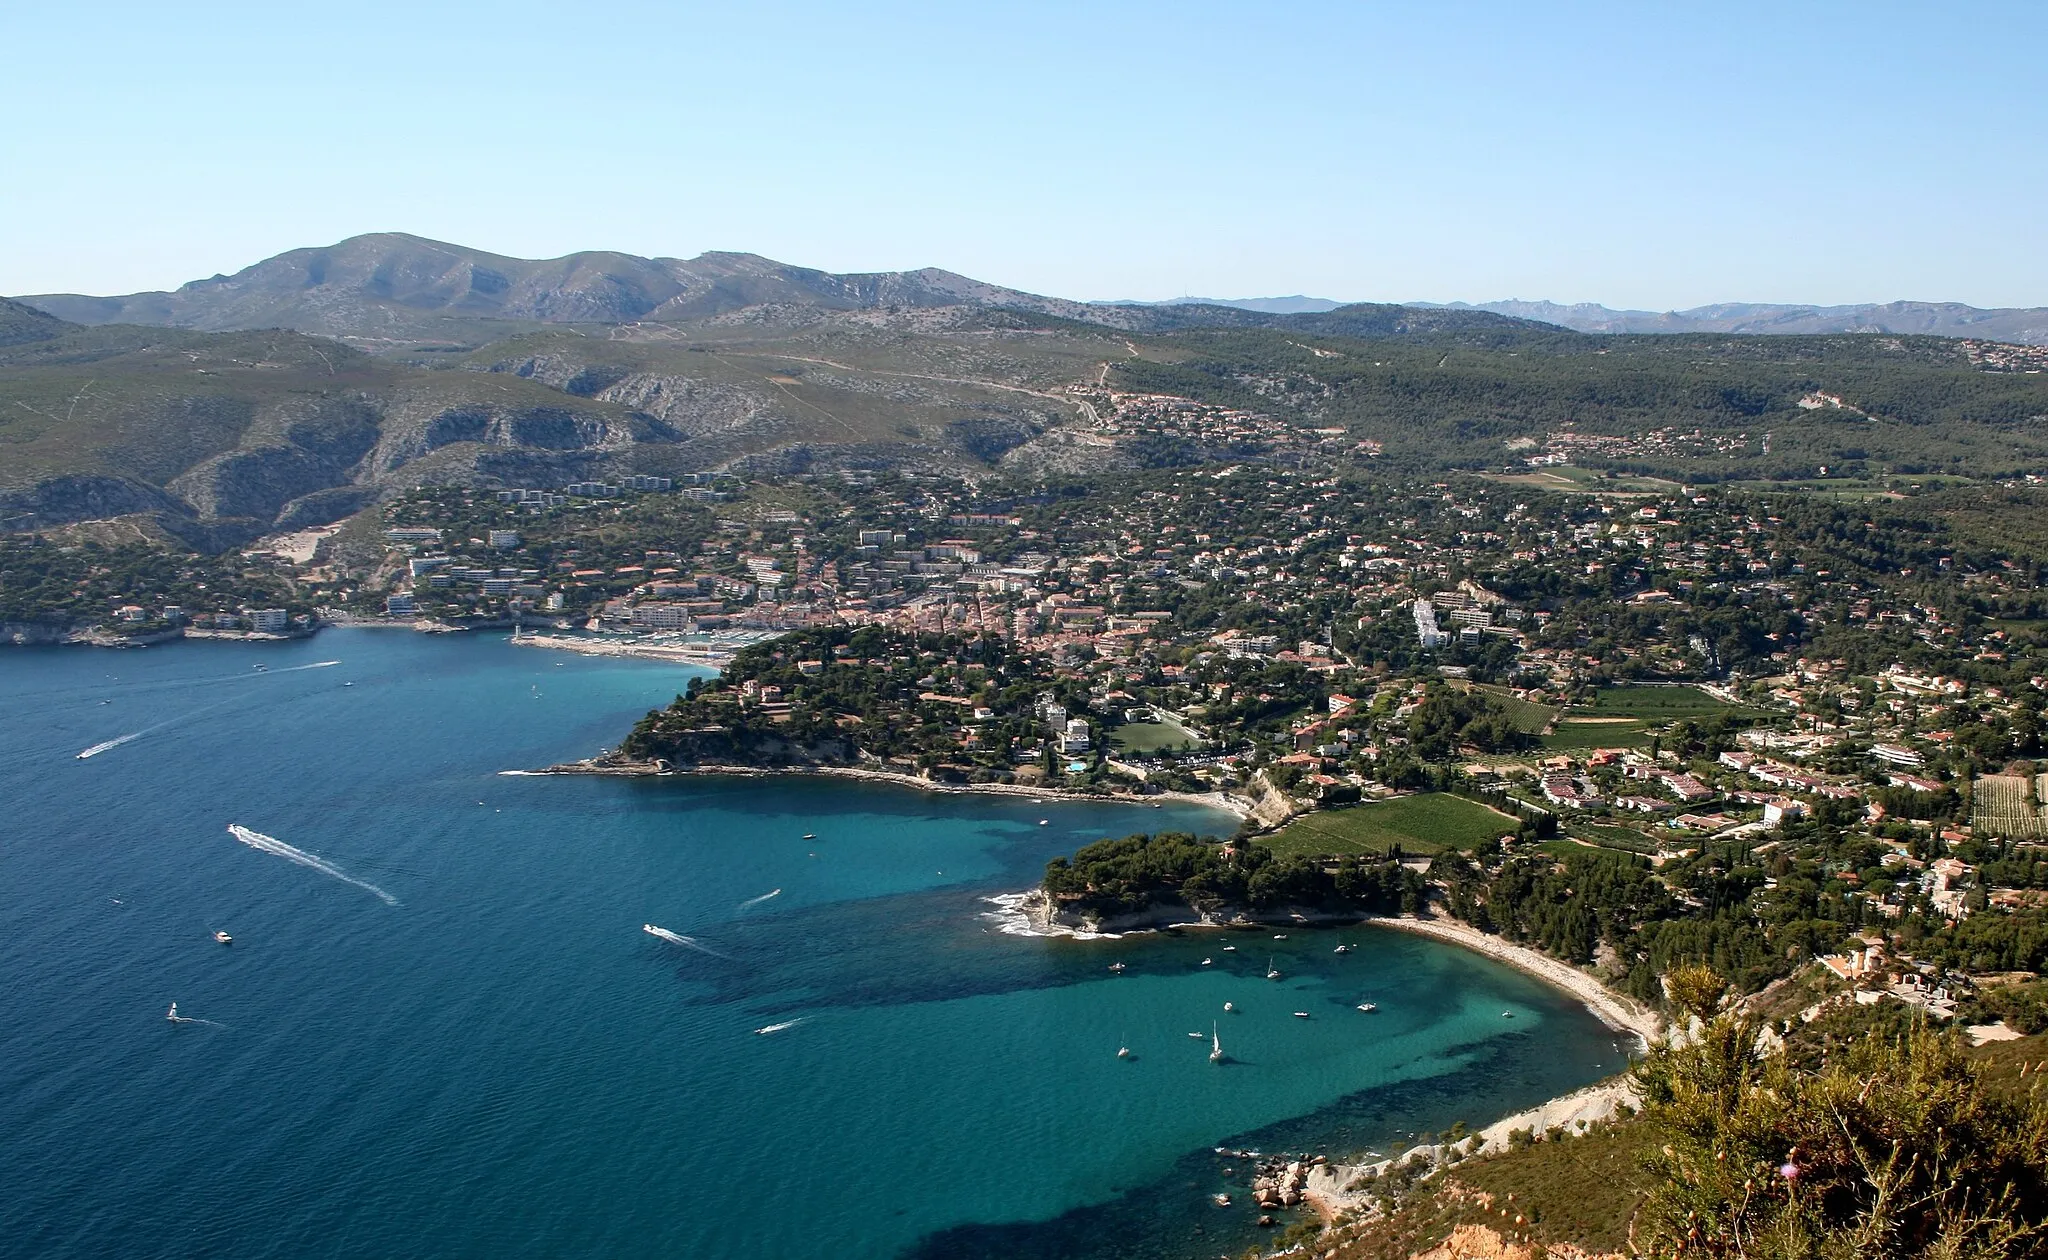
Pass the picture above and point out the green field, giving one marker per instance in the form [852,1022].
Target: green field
[1421,825]
[1655,704]
[1151,737]
[1622,717]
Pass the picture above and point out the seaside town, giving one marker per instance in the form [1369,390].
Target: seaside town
[1811,723]
[1816,718]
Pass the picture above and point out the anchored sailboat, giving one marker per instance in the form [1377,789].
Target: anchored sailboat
[1215,1044]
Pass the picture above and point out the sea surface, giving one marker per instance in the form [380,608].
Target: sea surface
[441,1031]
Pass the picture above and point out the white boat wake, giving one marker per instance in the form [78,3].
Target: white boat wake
[758,900]
[776,1028]
[97,749]
[271,844]
[677,938]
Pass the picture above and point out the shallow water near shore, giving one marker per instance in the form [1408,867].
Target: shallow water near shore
[504,1063]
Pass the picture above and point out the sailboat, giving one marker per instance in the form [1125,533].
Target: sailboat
[1215,1044]
[1272,970]
[173,1016]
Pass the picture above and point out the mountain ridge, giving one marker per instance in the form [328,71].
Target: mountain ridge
[396,287]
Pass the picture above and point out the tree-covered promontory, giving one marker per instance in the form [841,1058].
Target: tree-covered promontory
[1131,875]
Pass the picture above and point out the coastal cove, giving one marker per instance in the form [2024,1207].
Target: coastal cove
[503,1062]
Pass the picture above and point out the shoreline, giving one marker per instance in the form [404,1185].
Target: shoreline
[1219,801]
[1331,1188]
[1617,1011]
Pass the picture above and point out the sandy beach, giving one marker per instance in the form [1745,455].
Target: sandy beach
[1614,1010]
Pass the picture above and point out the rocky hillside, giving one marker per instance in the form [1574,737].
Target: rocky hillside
[221,437]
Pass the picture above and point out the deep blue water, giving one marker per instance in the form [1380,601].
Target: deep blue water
[504,1064]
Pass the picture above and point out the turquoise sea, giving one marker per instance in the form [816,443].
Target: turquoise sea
[504,1064]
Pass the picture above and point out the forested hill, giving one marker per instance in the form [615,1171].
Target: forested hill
[1698,407]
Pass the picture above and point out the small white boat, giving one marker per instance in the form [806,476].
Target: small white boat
[810,836]
[1230,1006]
[1117,967]
[1123,1052]
[173,1016]
[1341,949]
[1197,1036]
[1230,949]
[1507,1014]
[1206,962]
[1368,1007]
[1301,1014]
[1279,936]
[1215,1045]
[1220,1200]
[224,938]
[1044,822]
[1272,971]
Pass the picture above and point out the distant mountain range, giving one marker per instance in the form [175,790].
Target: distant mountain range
[2024,325]
[389,287]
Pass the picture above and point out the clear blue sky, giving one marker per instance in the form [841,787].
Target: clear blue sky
[1640,154]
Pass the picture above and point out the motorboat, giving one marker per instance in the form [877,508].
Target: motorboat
[1197,1036]
[1116,967]
[810,835]
[1301,1014]
[1229,1007]
[1279,936]
[1507,1014]
[1368,1007]
[224,938]
[1206,962]
[1341,949]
